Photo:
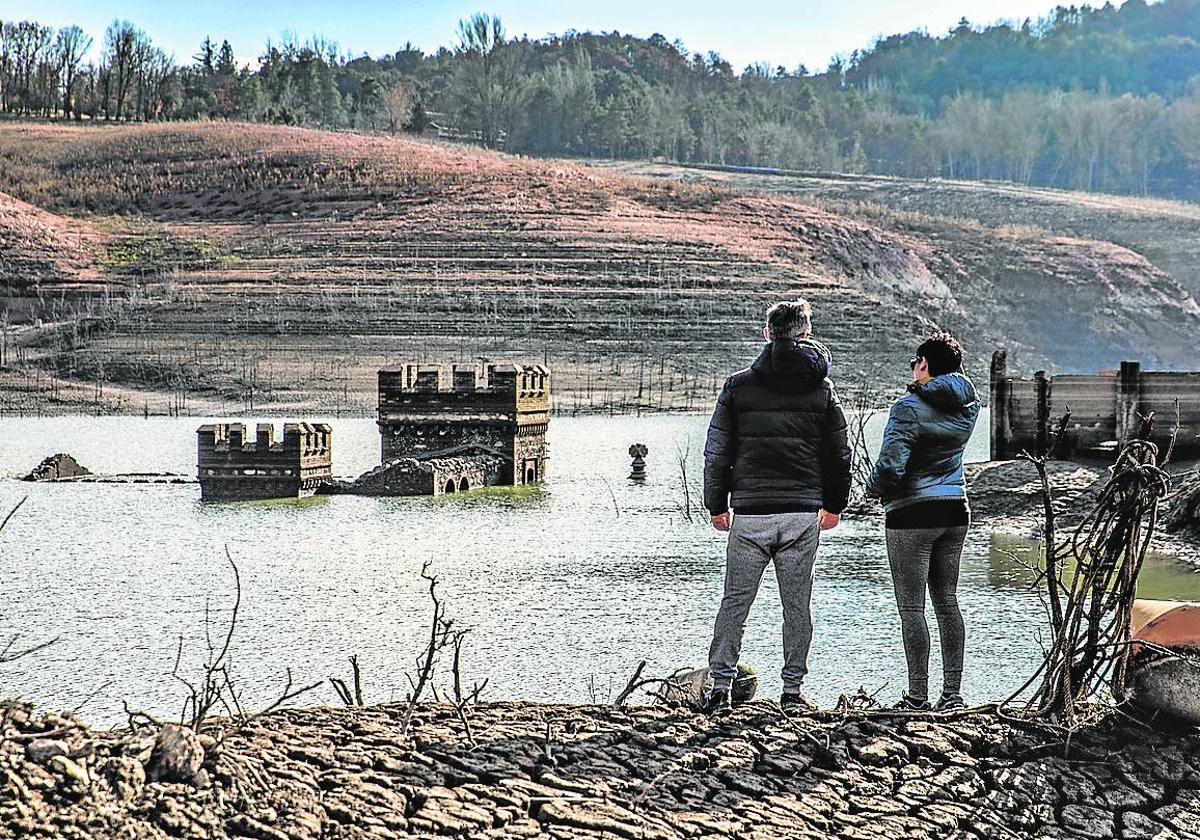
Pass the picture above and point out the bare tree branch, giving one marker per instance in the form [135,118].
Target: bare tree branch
[7,654]
[631,686]
[16,508]
[289,693]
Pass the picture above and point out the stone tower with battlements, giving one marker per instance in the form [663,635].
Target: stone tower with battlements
[231,467]
[430,411]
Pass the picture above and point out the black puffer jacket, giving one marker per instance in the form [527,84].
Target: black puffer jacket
[777,439]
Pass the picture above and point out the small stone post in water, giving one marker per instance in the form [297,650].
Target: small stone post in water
[638,453]
[999,406]
[1129,388]
[1041,393]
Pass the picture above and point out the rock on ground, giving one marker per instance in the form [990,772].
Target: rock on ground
[55,467]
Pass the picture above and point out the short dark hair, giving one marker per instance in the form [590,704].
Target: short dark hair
[787,315]
[943,353]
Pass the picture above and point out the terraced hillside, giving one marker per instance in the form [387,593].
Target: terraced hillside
[273,267]
[1167,233]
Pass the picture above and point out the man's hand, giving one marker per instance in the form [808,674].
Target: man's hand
[828,521]
[721,521]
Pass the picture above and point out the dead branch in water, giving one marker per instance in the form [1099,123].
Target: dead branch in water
[612,495]
[1175,429]
[681,457]
[443,635]
[287,694]
[16,508]
[462,700]
[344,693]
[7,654]
[216,686]
[215,679]
[862,408]
[425,662]
[1054,586]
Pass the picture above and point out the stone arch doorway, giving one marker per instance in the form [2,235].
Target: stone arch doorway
[450,486]
[464,485]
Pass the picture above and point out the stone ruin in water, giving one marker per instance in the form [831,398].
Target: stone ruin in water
[57,468]
[441,430]
[230,467]
[452,430]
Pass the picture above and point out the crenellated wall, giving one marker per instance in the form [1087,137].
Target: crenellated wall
[231,466]
[428,410]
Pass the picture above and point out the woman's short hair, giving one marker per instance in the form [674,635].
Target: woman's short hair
[789,315]
[943,353]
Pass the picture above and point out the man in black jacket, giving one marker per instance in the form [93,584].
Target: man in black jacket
[777,452]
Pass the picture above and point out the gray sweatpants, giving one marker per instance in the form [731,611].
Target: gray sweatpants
[920,558]
[790,539]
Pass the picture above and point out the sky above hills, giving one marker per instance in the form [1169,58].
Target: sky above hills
[774,31]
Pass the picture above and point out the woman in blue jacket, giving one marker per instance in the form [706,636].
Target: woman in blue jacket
[919,477]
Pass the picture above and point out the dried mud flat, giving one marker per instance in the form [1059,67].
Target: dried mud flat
[593,771]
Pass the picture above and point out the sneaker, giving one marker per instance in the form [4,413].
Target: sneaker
[909,704]
[716,701]
[950,701]
[796,701]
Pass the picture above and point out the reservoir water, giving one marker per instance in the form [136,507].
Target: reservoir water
[564,588]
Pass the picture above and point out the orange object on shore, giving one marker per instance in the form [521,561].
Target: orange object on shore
[1166,623]
[1157,680]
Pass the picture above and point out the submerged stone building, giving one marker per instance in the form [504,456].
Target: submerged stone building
[230,467]
[449,430]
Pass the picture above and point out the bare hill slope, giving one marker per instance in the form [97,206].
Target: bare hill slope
[37,246]
[280,266]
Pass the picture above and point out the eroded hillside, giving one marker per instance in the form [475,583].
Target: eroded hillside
[279,267]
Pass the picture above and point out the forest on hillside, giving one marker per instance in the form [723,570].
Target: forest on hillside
[1098,99]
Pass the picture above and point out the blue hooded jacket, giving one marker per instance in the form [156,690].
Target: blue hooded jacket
[922,453]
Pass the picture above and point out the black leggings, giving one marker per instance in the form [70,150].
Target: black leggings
[921,558]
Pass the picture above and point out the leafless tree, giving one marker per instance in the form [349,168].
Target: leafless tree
[28,44]
[121,42]
[443,635]
[70,46]
[490,76]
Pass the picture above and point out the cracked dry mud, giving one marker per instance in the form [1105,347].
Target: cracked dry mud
[556,771]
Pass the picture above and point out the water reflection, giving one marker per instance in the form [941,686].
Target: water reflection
[1013,562]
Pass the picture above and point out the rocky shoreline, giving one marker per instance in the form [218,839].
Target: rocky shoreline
[557,771]
[1007,496]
